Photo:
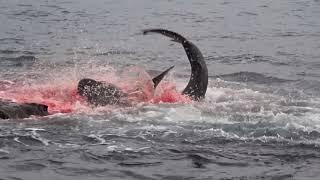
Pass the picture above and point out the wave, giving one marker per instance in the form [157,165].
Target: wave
[252,77]
[246,59]
[19,61]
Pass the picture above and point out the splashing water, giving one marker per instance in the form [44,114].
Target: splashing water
[62,97]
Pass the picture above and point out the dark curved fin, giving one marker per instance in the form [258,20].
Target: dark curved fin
[156,80]
[175,36]
[198,83]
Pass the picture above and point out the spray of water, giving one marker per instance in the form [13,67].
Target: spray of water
[61,96]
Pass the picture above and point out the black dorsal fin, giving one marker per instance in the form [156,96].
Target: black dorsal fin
[156,80]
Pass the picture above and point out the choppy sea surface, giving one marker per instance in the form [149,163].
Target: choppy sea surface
[260,118]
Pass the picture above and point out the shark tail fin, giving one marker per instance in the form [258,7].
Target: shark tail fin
[156,80]
[198,82]
[175,36]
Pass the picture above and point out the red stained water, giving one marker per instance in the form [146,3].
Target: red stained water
[58,99]
[65,99]
[169,94]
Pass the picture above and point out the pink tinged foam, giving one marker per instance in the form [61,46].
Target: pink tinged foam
[62,97]
[167,93]
[58,99]
[65,99]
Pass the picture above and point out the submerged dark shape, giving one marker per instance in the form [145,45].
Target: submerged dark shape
[198,83]
[101,93]
[12,110]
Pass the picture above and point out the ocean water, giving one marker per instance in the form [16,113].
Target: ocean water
[260,118]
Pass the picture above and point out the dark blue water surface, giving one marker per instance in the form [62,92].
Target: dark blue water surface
[260,118]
